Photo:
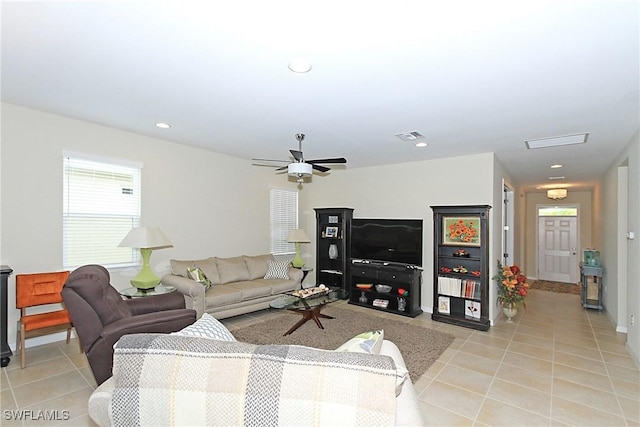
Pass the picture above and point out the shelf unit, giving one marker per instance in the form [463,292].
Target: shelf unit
[396,276]
[333,246]
[461,265]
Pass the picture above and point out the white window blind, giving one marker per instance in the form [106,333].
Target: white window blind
[283,218]
[101,203]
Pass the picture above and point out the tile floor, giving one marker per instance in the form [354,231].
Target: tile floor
[556,365]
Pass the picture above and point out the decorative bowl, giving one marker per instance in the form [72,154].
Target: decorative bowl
[383,288]
[364,285]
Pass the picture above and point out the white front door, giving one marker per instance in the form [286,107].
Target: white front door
[557,250]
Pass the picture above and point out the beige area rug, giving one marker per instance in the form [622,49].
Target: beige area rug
[420,346]
[560,287]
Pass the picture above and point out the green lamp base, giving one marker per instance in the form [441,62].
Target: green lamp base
[146,278]
[297,261]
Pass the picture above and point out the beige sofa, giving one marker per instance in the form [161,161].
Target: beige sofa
[238,284]
[213,382]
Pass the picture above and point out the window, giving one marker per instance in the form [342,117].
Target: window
[101,203]
[283,218]
[558,211]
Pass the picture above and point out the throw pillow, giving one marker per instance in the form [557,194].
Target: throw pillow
[278,270]
[207,327]
[198,275]
[366,342]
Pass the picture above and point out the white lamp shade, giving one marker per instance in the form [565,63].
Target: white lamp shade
[297,169]
[298,236]
[146,238]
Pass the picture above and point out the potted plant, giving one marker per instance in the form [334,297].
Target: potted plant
[512,288]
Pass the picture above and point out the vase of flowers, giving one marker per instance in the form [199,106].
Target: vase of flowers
[512,288]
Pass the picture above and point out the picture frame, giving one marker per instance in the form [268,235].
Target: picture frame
[331,232]
[443,305]
[333,219]
[461,231]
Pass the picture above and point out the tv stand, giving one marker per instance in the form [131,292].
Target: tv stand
[399,277]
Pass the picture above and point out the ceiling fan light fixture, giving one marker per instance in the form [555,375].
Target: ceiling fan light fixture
[557,193]
[300,169]
[299,65]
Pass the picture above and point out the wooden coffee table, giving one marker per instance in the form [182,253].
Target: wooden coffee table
[308,308]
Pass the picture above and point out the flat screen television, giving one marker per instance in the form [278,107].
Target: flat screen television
[387,240]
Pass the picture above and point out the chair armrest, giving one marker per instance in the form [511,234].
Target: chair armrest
[161,322]
[193,292]
[154,303]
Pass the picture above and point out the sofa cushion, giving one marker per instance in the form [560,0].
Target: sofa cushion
[278,270]
[233,383]
[250,289]
[208,267]
[257,265]
[232,269]
[221,295]
[206,327]
[198,275]
[367,342]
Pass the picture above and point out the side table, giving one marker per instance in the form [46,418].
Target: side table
[5,272]
[305,271]
[139,293]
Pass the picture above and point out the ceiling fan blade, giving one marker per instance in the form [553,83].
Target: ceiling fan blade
[320,168]
[270,160]
[282,168]
[297,155]
[334,160]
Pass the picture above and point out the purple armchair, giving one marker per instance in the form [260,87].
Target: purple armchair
[100,315]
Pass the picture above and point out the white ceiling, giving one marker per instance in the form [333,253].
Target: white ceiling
[471,76]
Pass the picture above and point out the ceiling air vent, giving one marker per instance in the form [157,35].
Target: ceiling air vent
[410,136]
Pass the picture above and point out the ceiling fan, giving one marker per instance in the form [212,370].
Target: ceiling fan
[302,168]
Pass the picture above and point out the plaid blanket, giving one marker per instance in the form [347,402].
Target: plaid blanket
[165,380]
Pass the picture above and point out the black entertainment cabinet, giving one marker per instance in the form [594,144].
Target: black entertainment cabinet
[397,277]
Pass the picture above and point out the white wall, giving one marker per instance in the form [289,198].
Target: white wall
[206,203]
[620,256]
[404,191]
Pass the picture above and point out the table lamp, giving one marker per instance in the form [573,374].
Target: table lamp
[297,236]
[146,239]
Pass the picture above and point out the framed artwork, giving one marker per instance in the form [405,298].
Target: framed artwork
[461,231]
[333,219]
[331,232]
[443,305]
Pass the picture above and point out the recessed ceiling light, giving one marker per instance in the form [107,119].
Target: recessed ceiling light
[421,144]
[556,166]
[162,125]
[299,65]
[554,141]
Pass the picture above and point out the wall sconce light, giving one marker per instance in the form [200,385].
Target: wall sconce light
[557,193]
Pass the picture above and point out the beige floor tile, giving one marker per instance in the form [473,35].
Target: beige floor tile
[434,369]
[531,350]
[491,341]
[582,377]
[526,362]
[38,391]
[616,359]
[589,396]
[583,363]
[488,352]
[578,340]
[630,409]
[6,400]
[620,372]
[576,350]
[521,397]
[65,407]
[478,364]
[433,415]
[613,347]
[4,381]
[576,414]
[37,354]
[467,379]
[40,370]
[535,331]
[536,341]
[496,413]
[628,389]
[531,379]
[456,400]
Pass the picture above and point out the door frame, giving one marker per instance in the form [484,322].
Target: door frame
[576,270]
[508,223]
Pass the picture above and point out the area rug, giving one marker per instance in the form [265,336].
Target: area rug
[560,287]
[420,346]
